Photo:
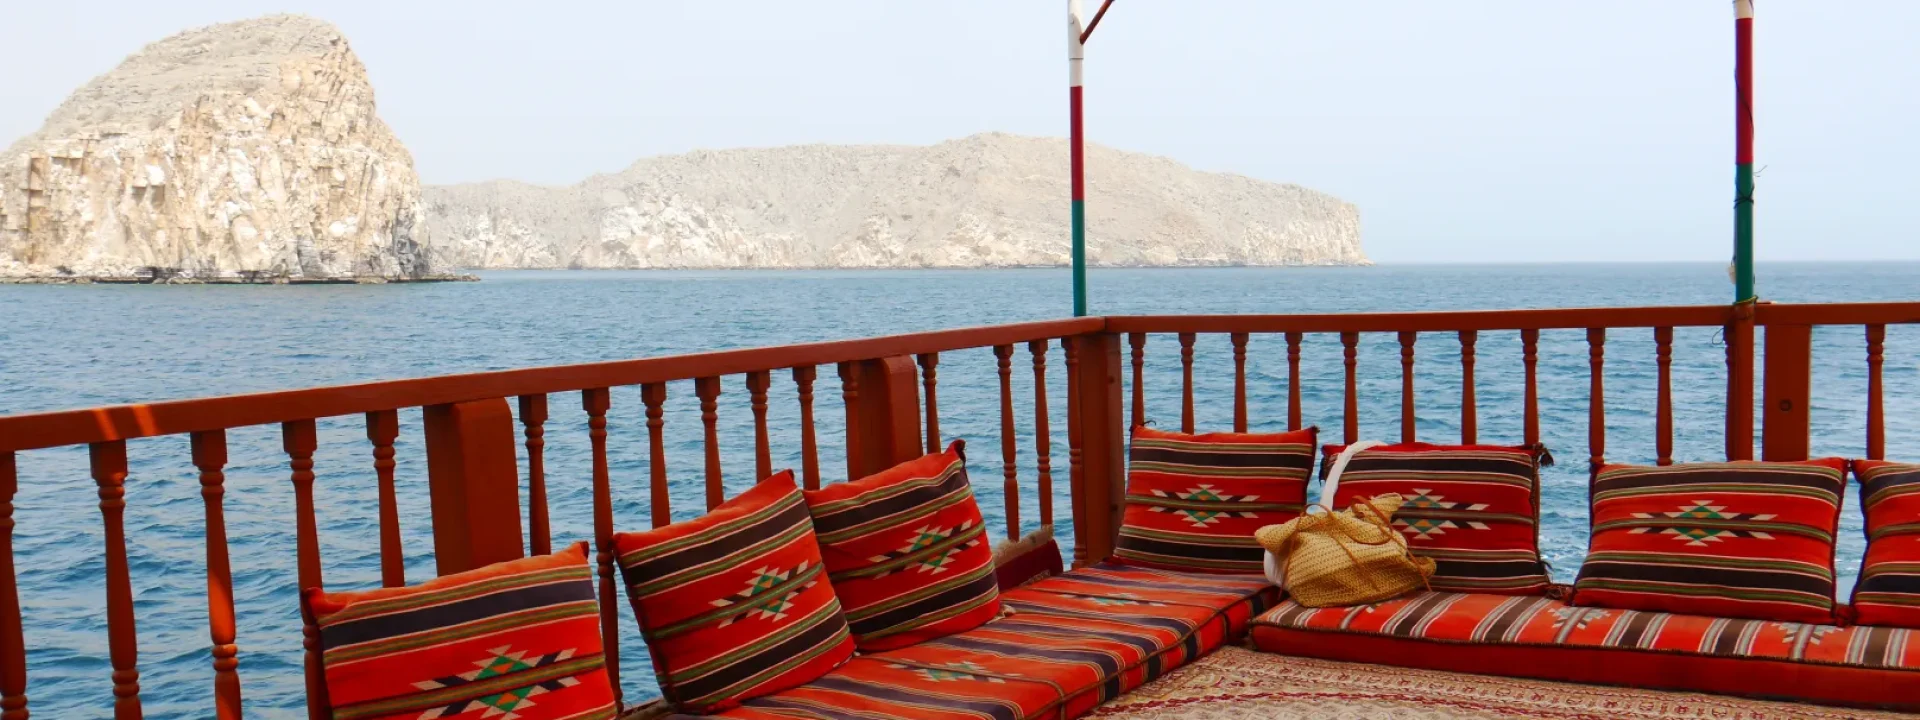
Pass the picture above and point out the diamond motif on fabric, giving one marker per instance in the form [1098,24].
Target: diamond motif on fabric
[1424,528]
[500,661]
[1793,632]
[954,671]
[1697,536]
[1580,617]
[1117,600]
[924,537]
[1207,494]
[753,602]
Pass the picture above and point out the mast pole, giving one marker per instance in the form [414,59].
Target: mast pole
[1743,290]
[1076,51]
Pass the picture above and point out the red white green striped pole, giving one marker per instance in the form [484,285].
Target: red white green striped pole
[1076,51]
[1743,290]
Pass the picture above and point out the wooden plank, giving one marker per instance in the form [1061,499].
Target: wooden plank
[1099,453]
[1436,321]
[13,641]
[473,483]
[888,406]
[1785,430]
[1739,334]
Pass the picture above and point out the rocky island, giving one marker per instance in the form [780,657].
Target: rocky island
[244,152]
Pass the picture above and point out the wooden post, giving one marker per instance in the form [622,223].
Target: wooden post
[888,414]
[1101,439]
[13,642]
[1789,380]
[473,484]
[1740,383]
[210,456]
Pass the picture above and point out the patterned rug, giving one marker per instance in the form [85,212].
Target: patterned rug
[1237,683]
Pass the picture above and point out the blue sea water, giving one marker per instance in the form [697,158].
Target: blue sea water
[75,346]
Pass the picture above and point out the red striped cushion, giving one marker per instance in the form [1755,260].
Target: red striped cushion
[1736,540]
[1474,509]
[1889,589]
[907,551]
[735,604]
[514,639]
[1193,501]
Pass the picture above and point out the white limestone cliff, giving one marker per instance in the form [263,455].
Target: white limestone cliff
[991,200]
[249,149]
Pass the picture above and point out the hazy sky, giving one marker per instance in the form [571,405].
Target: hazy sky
[1469,130]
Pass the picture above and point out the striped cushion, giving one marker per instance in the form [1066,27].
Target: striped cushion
[1474,509]
[1889,589]
[514,639]
[1193,501]
[735,604]
[907,551]
[1736,540]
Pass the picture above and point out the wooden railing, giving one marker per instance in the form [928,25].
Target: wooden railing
[474,473]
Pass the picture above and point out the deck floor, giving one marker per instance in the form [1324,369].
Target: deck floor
[1236,683]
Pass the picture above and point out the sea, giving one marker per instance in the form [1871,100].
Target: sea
[80,346]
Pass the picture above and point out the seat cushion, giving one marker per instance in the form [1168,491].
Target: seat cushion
[1473,509]
[735,603]
[1071,643]
[519,638]
[1193,501]
[1545,638]
[1889,589]
[1735,539]
[907,552]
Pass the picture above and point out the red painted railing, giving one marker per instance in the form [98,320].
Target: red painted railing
[474,474]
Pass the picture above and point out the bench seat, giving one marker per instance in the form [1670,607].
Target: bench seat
[1547,639]
[1070,643]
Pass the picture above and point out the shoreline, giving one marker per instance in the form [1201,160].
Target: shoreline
[148,280]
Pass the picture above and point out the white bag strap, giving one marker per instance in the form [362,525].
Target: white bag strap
[1276,569]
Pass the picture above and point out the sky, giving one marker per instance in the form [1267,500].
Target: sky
[1466,131]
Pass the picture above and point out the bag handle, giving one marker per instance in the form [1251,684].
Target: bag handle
[1276,568]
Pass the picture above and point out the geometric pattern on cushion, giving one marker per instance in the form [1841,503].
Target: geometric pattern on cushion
[1478,618]
[906,551]
[1889,589]
[1473,509]
[735,604]
[1194,501]
[1735,540]
[517,639]
[1073,642]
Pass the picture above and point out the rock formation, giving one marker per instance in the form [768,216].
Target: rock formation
[245,150]
[986,200]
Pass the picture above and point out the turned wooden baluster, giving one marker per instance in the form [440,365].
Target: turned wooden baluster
[210,456]
[654,397]
[1597,398]
[928,361]
[1876,415]
[533,417]
[1350,342]
[1469,405]
[757,384]
[1529,356]
[383,428]
[1406,386]
[13,640]
[809,447]
[596,402]
[708,390]
[1042,435]
[1239,381]
[1293,381]
[1003,354]
[850,394]
[1075,441]
[1186,382]
[1663,401]
[109,463]
[299,439]
[1138,341]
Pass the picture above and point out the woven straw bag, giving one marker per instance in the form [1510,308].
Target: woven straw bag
[1344,557]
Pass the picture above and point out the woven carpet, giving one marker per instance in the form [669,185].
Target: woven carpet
[1237,683]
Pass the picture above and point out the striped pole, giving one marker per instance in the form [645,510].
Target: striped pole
[1076,51]
[1743,152]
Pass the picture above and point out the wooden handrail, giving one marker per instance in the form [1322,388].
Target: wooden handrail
[1441,321]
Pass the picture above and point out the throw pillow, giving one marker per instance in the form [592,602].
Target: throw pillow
[1194,501]
[1889,589]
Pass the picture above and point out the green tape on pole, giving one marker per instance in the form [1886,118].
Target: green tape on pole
[1743,234]
[1079,258]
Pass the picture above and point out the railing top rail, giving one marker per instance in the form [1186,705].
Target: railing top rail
[121,422]
[1543,319]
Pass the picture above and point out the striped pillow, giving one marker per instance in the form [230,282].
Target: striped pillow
[1474,509]
[907,551]
[1193,501]
[1732,540]
[1889,589]
[513,639]
[734,604]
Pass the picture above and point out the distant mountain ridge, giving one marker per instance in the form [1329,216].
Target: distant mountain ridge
[989,200]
